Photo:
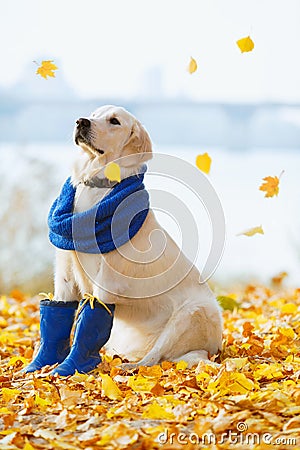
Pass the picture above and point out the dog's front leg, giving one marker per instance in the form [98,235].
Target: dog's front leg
[57,317]
[65,287]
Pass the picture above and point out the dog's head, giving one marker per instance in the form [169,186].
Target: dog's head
[110,133]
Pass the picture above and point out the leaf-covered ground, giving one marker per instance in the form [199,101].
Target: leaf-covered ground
[249,397]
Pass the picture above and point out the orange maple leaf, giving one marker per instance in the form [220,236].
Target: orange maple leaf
[270,185]
[46,69]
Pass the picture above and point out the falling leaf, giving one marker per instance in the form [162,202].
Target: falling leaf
[270,186]
[245,44]
[227,302]
[252,231]
[46,69]
[203,162]
[113,172]
[109,388]
[192,66]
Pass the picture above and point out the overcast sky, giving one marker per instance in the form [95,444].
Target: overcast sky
[106,48]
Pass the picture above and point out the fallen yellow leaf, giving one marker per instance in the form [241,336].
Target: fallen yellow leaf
[156,412]
[4,410]
[28,446]
[113,172]
[288,332]
[14,359]
[227,302]
[289,308]
[245,44]
[9,394]
[181,365]
[41,401]
[109,388]
[150,372]
[141,384]
[203,162]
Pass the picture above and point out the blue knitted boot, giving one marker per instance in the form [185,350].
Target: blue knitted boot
[56,321]
[92,331]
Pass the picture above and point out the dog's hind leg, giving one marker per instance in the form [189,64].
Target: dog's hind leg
[190,333]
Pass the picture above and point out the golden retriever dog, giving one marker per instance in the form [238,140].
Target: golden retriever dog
[159,315]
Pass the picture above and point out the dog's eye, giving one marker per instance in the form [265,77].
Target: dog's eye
[114,121]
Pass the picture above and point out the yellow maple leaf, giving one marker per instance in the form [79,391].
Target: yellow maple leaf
[113,172]
[270,185]
[252,231]
[109,388]
[245,44]
[203,162]
[192,66]
[46,69]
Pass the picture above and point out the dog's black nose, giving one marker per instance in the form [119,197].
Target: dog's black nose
[83,123]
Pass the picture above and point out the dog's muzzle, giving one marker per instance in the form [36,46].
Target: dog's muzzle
[82,129]
[82,134]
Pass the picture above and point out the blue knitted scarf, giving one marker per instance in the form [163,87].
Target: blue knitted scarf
[107,225]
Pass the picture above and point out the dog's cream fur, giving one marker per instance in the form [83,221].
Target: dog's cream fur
[182,322]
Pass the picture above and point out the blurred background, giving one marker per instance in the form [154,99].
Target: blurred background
[243,109]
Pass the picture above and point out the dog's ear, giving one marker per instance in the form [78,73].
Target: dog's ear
[138,146]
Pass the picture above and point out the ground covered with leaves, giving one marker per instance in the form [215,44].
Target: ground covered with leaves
[247,397]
